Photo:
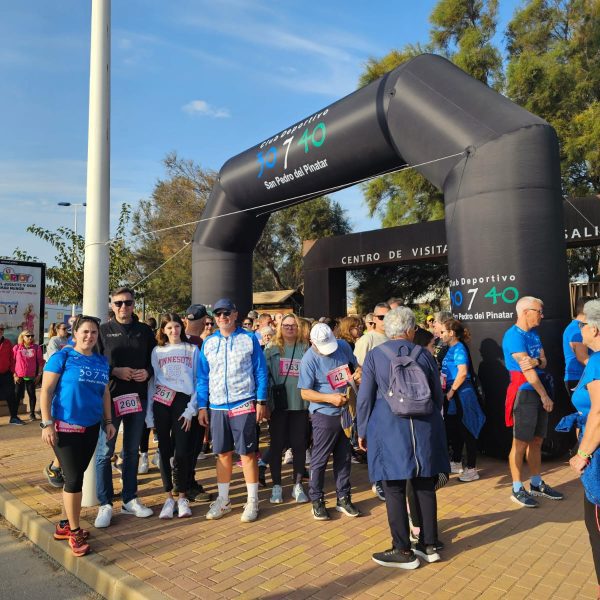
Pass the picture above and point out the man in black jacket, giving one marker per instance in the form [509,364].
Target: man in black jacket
[127,344]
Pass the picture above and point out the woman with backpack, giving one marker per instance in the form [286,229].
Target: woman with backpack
[464,418]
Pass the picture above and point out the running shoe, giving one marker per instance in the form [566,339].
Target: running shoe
[456,468]
[523,498]
[197,493]
[143,464]
[54,476]
[63,531]
[167,509]
[250,511]
[399,559]
[218,508]
[183,508]
[344,505]
[288,457]
[298,494]
[104,516]
[319,510]
[469,475]
[16,421]
[156,460]
[276,495]
[427,553]
[79,547]
[33,417]
[545,491]
[377,489]
[136,508]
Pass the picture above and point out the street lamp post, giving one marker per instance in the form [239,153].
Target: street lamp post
[75,207]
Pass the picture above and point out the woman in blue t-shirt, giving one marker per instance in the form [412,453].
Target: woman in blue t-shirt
[586,400]
[464,418]
[74,399]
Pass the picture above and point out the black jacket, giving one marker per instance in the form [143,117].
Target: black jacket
[127,346]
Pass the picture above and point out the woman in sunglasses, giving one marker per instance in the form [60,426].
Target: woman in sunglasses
[75,400]
[208,328]
[29,363]
[59,340]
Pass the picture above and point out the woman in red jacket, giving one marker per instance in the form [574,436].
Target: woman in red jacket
[28,369]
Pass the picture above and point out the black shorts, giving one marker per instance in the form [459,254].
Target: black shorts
[531,420]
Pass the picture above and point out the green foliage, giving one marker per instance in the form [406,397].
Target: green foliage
[64,280]
[278,254]
[584,263]
[20,254]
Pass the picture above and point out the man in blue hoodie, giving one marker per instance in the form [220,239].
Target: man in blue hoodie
[233,373]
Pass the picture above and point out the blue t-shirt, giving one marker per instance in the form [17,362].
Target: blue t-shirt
[573,368]
[313,374]
[517,340]
[456,355]
[581,397]
[79,395]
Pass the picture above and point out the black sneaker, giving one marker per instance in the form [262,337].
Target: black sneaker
[319,510]
[399,559]
[344,505]
[197,493]
[439,545]
[545,491]
[427,553]
[524,499]
[32,417]
[54,476]
[16,421]
[377,489]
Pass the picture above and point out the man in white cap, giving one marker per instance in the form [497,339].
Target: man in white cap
[325,375]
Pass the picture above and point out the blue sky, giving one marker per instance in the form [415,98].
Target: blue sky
[207,79]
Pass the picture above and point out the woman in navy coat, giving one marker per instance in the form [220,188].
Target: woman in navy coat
[402,448]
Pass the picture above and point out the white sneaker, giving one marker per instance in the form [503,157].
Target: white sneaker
[250,511]
[167,509]
[469,475]
[276,495]
[202,456]
[288,458]
[456,468]
[156,460]
[143,464]
[298,494]
[218,508]
[307,459]
[104,516]
[137,509]
[183,508]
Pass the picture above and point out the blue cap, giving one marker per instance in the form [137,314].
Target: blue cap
[224,304]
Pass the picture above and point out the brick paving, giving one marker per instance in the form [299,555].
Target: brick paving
[494,549]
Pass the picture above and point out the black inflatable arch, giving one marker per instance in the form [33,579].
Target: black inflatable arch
[501,184]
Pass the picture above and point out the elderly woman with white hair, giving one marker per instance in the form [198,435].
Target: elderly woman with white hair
[403,447]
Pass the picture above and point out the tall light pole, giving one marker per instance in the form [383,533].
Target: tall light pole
[75,207]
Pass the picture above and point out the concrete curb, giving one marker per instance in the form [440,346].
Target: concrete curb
[101,575]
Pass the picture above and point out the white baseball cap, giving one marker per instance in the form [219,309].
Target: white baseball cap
[324,340]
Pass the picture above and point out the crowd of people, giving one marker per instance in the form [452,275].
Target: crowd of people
[385,390]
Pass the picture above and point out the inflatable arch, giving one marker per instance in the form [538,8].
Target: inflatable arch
[496,163]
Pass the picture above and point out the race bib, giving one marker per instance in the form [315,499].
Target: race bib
[244,409]
[127,404]
[291,365]
[164,395]
[63,427]
[339,377]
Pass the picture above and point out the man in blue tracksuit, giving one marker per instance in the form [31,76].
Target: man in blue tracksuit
[233,374]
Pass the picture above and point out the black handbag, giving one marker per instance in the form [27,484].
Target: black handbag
[278,391]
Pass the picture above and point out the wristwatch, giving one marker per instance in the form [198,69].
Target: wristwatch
[261,402]
[45,424]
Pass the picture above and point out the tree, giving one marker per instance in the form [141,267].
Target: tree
[584,262]
[20,254]
[64,279]
[278,254]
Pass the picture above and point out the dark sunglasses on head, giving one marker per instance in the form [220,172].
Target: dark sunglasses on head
[119,303]
[223,313]
[380,317]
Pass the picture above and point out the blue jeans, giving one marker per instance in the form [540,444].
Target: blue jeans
[133,425]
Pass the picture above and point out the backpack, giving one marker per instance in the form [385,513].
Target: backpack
[408,394]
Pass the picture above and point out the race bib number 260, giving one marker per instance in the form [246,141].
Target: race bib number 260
[127,404]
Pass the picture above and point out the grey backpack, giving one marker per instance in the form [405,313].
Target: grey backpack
[408,394]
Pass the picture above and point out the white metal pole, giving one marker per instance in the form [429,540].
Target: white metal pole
[74,252]
[97,224]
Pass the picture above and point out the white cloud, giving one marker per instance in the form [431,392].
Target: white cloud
[204,109]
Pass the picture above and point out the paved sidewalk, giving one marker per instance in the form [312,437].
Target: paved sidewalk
[494,549]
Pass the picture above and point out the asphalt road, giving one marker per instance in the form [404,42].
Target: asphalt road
[27,572]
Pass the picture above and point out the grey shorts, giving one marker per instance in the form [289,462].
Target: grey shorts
[531,420]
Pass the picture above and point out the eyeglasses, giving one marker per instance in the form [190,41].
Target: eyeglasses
[223,313]
[370,323]
[207,324]
[119,303]
[28,335]
[537,310]
[582,324]
[380,317]
[292,326]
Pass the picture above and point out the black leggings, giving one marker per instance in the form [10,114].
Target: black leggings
[145,441]
[173,441]
[195,447]
[20,387]
[395,503]
[7,392]
[592,522]
[287,428]
[74,452]
[459,435]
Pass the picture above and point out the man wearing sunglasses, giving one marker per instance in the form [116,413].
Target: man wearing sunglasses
[528,401]
[127,344]
[233,372]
